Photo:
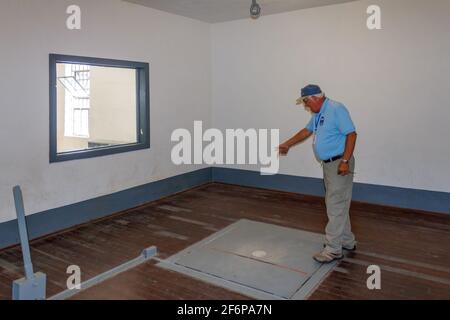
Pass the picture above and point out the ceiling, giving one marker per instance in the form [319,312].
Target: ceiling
[214,11]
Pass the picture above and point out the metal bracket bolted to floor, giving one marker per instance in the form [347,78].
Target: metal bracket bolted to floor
[33,286]
[146,255]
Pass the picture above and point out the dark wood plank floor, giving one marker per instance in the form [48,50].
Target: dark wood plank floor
[412,248]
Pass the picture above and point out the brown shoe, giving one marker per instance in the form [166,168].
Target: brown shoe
[327,257]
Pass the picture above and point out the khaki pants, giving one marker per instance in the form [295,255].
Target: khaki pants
[338,198]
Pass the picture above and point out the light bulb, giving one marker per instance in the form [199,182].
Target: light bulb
[255,10]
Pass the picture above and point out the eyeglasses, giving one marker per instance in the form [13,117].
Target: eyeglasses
[302,100]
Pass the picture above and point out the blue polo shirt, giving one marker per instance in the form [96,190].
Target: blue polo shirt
[331,127]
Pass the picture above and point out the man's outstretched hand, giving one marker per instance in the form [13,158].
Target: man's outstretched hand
[283,149]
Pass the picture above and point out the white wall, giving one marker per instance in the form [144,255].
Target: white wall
[395,83]
[178,50]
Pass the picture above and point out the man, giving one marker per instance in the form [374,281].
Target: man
[334,143]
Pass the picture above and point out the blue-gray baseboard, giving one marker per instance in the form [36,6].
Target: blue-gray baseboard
[384,195]
[54,220]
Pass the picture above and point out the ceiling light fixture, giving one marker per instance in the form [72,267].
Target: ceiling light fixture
[255,10]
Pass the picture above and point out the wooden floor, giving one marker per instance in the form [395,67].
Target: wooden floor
[412,248]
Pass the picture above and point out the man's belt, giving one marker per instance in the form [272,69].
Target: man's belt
[333,159]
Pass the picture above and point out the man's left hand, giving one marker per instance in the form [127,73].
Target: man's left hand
[344,169]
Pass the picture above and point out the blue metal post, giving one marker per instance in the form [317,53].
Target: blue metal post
[33,286]
[18,200]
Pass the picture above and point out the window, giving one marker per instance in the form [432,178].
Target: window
[97,107]
[76,86]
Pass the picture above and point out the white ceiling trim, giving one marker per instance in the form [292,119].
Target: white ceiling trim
[214,11]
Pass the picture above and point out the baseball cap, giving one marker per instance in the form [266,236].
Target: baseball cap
[307,91]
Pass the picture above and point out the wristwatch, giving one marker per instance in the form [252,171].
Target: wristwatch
[344,161]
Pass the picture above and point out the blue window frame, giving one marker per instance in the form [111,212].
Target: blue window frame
[76,84]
